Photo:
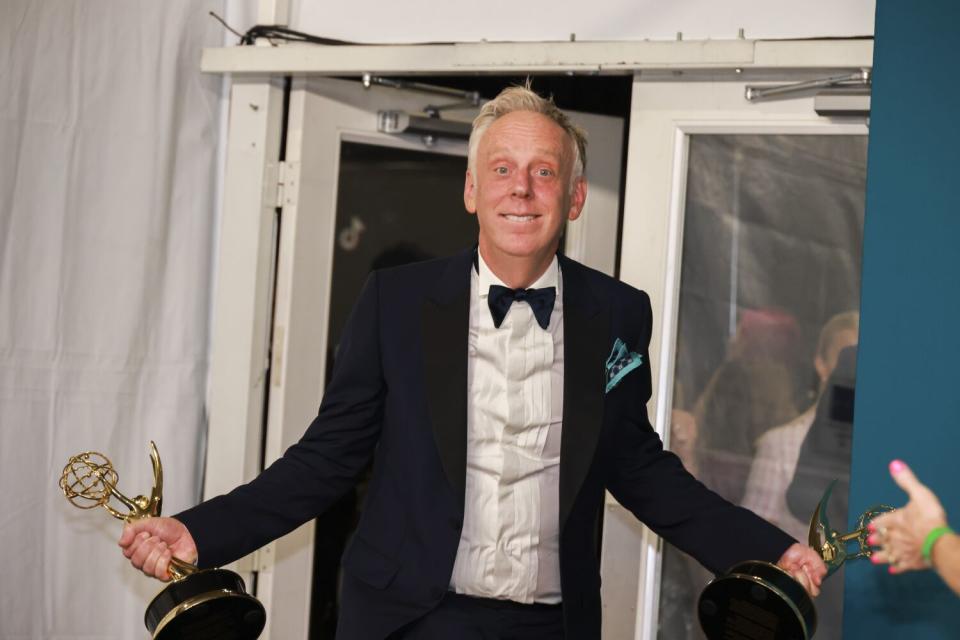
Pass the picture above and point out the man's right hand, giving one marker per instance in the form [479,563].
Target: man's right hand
[151,542]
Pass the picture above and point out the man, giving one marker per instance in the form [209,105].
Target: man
[500,393]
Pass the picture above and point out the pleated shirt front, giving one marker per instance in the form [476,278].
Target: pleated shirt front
[509,545]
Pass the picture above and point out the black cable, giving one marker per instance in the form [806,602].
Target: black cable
[225,25]
[277,32]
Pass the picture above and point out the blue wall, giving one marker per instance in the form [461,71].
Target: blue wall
[908,387]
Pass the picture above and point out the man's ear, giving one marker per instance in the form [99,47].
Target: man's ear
[470,193]
[577,198]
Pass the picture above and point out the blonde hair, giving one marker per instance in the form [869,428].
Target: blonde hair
[523,98]
[848,321]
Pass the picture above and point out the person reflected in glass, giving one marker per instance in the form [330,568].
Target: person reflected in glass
[751,391]
[916,537]
[778,449]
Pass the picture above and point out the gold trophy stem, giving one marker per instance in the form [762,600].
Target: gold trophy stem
[853,535]
[178,569]
[127,502]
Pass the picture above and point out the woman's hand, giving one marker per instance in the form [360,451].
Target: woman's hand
[899,535]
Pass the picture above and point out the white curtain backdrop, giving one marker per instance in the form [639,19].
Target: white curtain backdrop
[108,165]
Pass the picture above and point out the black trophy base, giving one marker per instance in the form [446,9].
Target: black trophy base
[207,605]
[756,601]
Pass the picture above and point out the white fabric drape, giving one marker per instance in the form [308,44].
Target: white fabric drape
[108,156]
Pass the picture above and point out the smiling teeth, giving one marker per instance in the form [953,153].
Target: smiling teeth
[520,218]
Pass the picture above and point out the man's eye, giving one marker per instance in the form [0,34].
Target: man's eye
[545,173]
[502,171]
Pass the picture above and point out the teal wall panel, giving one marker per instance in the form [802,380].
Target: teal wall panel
[908,387]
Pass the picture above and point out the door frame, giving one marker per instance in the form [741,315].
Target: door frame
[664,114]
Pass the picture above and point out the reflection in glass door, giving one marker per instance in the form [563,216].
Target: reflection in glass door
[767,331]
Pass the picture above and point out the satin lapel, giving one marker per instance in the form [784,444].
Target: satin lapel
[446,326]
[585,345]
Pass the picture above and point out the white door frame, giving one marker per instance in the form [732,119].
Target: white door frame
[244,285]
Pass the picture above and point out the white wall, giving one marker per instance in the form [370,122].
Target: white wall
[531,20]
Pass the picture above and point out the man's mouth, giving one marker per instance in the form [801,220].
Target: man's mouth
[514,217]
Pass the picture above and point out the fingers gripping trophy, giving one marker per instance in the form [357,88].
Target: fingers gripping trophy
[197,604]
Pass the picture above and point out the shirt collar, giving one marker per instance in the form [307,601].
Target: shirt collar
[486,277]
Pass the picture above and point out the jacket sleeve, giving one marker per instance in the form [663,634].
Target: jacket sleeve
[654,485]
[313,473]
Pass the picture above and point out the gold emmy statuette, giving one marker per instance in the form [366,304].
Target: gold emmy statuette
[831,544]
[758,600]
[197,604]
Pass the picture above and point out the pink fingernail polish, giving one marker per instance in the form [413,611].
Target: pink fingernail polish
[872,539]
[897,466]
[875,559]
[871,527]
[891,570]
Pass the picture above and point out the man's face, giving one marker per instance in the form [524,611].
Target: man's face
[522,192]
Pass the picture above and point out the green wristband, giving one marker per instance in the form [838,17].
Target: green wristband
[931,539]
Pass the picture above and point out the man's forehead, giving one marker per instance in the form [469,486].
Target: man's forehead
[527,127]
[557,151]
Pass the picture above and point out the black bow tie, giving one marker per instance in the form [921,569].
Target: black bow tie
[540,300]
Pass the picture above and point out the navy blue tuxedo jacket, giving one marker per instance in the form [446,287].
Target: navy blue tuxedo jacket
[399,393]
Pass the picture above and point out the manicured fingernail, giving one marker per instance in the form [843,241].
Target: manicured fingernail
[897,466]
[872,539]
[871,527]
[891,569]
[875,559]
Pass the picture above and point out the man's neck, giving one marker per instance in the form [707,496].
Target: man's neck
[517,272]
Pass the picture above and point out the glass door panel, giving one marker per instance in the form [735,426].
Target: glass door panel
[767,326]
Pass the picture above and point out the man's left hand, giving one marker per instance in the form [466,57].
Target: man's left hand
[805,565]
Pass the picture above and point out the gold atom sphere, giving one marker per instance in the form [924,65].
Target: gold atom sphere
[87,479]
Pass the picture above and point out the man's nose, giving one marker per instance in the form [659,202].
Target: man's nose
[521,184]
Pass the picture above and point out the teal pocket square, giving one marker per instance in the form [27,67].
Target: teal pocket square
[620,363]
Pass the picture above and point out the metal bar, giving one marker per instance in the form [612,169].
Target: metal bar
[472,97]
[861,78]
[402,122]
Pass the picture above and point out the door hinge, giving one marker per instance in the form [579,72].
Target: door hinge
[280,184]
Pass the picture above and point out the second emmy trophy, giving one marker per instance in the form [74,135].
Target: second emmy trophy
[760,601]
[197,604]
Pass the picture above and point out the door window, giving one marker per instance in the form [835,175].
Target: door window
[766,334]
